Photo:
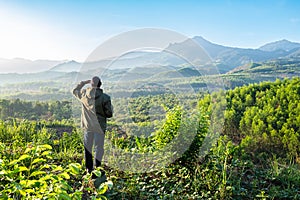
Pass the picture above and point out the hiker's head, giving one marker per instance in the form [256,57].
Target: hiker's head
[96,81]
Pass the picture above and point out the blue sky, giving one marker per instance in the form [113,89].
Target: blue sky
[73,29]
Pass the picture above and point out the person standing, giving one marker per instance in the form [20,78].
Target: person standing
[96,108]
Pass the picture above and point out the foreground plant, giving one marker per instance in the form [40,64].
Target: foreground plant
[32,176]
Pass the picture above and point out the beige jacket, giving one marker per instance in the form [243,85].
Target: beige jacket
[89,120]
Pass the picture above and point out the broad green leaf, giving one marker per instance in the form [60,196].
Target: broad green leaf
[47,177]
[22,168]
[13,162]
[43,147]
[55,142]
[57,168]
[28,191]
[22,192]
[109,184]
[65,175]
[45,153]
[27,150]
[36,173]
[97,173]
[46,146]
[28,183]
[102,189]
[38,160]
[75,168]
[46,166]
[23,157]
[19,169]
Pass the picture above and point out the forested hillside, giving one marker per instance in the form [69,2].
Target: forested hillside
[266,117]
[35,110]
[256,156]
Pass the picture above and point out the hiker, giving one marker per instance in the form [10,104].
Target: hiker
[96,108]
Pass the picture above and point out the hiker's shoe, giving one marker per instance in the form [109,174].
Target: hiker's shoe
[94,176]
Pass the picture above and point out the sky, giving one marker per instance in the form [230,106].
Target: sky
[71,30]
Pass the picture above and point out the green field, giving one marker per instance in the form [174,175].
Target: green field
[254,156]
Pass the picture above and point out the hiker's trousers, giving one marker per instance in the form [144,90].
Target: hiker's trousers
[97,140]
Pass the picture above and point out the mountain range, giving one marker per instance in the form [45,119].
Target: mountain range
[224,57]
[228,58]
[21,65]
[134,71]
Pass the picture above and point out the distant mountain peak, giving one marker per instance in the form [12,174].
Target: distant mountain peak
[283,40]
[283,44]
[69,61]
[200,38]
[211,48]
[67,66]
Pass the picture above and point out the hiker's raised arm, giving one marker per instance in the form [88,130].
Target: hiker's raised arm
[77,90]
